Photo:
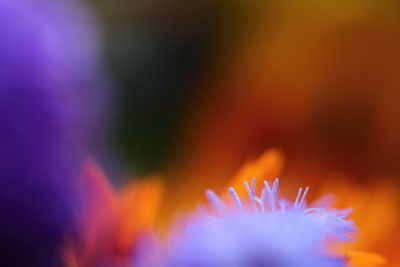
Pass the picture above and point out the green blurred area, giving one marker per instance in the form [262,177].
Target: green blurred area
[156,50]
[320,70]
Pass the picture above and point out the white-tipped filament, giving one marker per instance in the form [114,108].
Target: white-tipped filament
[250,192]
[215,201]
[236,198]
[267,202]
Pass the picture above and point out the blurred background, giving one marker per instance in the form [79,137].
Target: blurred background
[190,91]
[202,86]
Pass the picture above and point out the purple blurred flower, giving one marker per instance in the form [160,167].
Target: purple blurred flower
[269,232]
[50,96]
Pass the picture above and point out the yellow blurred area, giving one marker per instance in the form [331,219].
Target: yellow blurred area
[318,79]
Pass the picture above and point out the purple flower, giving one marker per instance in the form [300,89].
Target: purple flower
[266,231]
[49,99]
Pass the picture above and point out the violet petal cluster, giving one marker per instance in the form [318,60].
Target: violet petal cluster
[50,96]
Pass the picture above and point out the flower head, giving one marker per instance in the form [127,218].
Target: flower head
[264,230]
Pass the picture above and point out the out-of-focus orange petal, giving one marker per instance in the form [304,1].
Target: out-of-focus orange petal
[364,259]
[139,206]
[99,213]
[268,166]
[111,221]
[376,205]
[68,255]
[378,221]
